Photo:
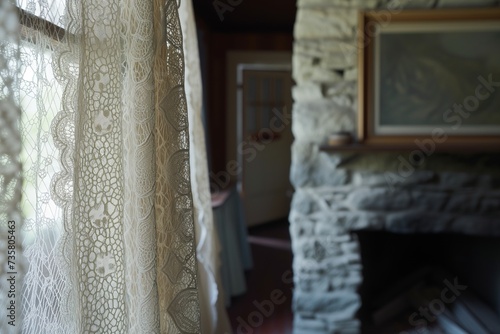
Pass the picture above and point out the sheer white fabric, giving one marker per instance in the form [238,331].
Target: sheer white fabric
[109,234]
[10,172]
[213,314]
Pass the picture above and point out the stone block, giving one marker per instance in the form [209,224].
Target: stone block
[327,175]
[489,205]
[368,179]
[359,220]
[418,222]
[338,194]
[314,250]
[305,70]
[334,232]
[354,267]
[339,223]
[463,202]
[341,88]
[325,23]
[337,283]
[308,325]
[314,121]
[486,181]
[341,260]
[351,74]
[379,199]
[457,180]
[345,327]
[303,202]
[307,92]
[345,101]
[327,302]
[350,247]
[351,258]
[338,261]
[395,179]
[331,197]
[353,279]
[340,238]
[314,283]
[336,325]
[304,155]
[307,267]
[327,54]
[301,228]
[429,200]
[343,271]
[365,220]
[315,74]
[340,61]
[323,75]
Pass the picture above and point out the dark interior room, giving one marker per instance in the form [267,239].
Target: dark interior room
[378,220]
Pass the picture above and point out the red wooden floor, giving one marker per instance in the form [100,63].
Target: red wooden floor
[266,306]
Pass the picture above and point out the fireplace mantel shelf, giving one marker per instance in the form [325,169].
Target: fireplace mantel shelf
[443,148]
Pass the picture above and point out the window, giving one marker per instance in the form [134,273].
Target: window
[40,96]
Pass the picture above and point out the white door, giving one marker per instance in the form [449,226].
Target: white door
[264,141]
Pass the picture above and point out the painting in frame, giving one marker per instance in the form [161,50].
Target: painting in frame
[430,74]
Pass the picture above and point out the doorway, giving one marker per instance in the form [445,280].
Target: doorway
[264,140]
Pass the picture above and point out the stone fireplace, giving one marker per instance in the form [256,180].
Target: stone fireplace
[338,194]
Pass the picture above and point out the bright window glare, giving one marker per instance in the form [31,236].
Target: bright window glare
[40,99]
[52,10]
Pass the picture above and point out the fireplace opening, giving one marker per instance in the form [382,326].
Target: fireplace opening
[442,283]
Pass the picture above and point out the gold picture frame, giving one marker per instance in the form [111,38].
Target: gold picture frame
[429,75]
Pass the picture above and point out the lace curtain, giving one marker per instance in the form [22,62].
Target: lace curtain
[109,231]
[213,315]
[10,166]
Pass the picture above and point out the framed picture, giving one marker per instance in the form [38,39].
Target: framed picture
[430,74]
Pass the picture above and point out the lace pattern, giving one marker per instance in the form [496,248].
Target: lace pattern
[111,234]
[10,164]
[140,168]
[177,281]
[40,96]
[213,316]
[10,138]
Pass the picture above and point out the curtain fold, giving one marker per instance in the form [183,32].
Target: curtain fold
[213,313]
[176,275]
[138,98]
[109,235]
